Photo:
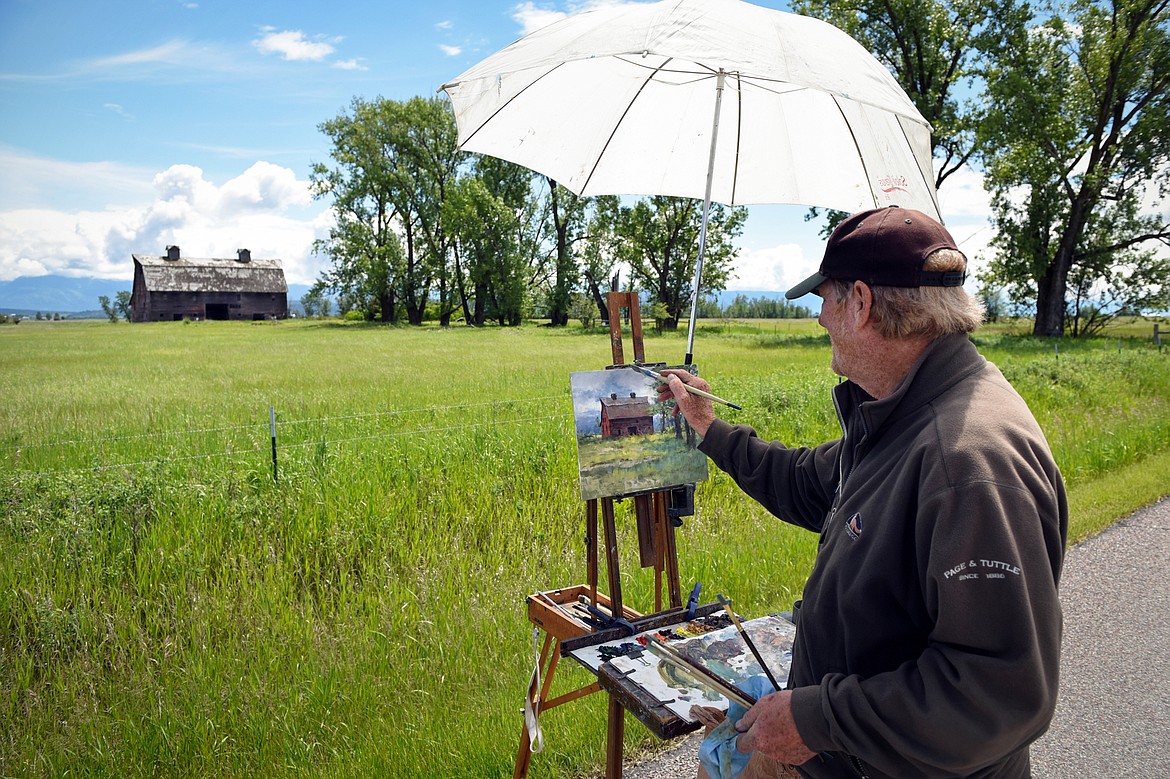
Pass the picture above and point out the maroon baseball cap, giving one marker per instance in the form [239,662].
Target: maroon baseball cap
[884,247]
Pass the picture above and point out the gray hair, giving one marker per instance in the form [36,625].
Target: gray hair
[932,312]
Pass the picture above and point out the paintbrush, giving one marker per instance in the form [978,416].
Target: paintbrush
[747,640]
[689,388]
[564,612]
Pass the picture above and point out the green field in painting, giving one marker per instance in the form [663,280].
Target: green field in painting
[169,609]
[637,463]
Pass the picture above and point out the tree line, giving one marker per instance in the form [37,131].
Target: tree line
[1063,108]
[425,231]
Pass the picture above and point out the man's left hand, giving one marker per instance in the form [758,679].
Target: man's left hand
[768,727]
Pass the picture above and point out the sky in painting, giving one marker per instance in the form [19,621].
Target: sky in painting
[129,125]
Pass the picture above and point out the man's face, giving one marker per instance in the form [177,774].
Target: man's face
[835,318]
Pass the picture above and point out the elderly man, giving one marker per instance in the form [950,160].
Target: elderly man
[928,636]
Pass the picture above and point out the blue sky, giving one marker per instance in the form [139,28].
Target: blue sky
[129,125]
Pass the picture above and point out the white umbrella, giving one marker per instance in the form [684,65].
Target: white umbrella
[714,99]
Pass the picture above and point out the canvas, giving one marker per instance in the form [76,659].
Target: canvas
[628,442]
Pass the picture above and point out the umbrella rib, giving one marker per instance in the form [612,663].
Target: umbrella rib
[704,72]
[508,102]
[618,124]
[930,188]
[738,133]
[762,83]
[856,145]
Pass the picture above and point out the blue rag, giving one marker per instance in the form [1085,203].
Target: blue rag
[717,753]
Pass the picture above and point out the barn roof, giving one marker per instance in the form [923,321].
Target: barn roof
[626,408]
[190,274]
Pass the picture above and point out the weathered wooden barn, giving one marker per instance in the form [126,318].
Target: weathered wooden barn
[173,287]
[625,416]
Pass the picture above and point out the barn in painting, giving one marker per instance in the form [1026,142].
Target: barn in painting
[625,416]
[173,287]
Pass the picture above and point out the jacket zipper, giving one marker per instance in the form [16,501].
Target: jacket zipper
[845,442]
[840,460]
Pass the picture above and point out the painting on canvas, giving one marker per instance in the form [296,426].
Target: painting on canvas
[628,442]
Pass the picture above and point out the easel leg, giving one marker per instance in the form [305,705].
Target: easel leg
[611,556]
[591,549]
[672,575]
[615,745]
[660,530]
[524,756]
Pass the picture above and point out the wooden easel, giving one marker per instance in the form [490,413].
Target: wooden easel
[657,549]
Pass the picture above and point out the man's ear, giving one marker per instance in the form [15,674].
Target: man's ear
[861,303]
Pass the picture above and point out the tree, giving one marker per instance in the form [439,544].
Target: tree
[428,165]
[991,297]
[507,282]
[122,304]
[584,309]
[598,256]
[762,308]
[1080,135]
[658,237]
[119,309]
[362,244]
[485,232]
[393,163]
[569,215]
[316,301]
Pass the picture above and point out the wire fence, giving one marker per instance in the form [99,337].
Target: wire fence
[35,459]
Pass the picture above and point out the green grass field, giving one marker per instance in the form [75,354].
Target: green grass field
[168,609]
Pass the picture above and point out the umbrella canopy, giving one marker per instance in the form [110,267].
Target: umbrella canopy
[623,100]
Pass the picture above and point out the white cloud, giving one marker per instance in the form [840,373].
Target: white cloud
[451,51]
[292,45]
[263,186]
[444,25]
[772,268]
[531,18]
[31,181]
[171,52]
[262,209]
[352,64]
[962,196]
[174,56]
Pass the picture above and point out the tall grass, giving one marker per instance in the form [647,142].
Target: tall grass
[168,609]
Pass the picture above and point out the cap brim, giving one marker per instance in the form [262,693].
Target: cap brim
[806,286]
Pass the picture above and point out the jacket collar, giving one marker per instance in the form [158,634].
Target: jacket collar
[944,363]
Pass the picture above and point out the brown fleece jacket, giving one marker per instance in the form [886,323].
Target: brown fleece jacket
[928,638]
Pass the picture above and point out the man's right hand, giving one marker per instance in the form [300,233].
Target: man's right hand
[699,412]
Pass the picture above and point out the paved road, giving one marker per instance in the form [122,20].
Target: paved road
[1113,716]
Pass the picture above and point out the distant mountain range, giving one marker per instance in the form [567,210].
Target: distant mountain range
[77,297]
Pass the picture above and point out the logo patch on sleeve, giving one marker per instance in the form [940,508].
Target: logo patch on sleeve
[853,526]
[980,568]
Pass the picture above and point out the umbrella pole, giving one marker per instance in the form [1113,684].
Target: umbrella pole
[720,79]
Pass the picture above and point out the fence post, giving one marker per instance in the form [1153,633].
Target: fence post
[272,430]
